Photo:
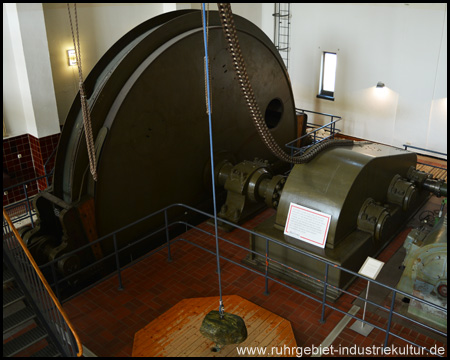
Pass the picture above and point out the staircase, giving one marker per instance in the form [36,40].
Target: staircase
[23,334]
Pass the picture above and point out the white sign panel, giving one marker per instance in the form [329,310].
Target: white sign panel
[371,268]
[307,225]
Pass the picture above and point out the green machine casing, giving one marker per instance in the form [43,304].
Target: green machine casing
[365,190]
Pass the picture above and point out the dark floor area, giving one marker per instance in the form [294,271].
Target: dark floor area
[107,318]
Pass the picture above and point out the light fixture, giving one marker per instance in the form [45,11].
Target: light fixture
[71,57]
[380,85]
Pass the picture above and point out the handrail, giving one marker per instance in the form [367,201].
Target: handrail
[44,282]
[227,222]
[269,260]
[27,201]
[419,148]
[25,182]
[330,127]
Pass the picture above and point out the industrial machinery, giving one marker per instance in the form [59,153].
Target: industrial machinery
[369,191]
[425,273]
[146,97]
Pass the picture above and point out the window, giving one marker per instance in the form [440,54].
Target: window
[327,76]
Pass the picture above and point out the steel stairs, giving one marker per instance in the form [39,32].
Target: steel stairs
[23,332]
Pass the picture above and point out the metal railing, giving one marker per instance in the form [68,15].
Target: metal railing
[441,170]
[37,286]
[406,146]
[329,130]
[165,230]
[27,201]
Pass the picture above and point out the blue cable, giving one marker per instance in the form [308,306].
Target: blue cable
[212,158]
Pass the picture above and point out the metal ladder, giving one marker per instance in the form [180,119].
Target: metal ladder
[23,334]
[282,25]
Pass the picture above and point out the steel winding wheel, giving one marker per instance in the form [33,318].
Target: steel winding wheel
[147,103]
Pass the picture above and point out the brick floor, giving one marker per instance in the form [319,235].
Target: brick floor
[107,318]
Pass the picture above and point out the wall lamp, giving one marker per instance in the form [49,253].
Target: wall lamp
[380,85]
[71,57]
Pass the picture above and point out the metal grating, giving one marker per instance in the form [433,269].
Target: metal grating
[21,342]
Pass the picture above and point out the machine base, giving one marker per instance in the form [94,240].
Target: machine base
[302,270]
[302,267]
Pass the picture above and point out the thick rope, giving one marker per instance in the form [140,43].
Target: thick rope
[229,29]
[84,107]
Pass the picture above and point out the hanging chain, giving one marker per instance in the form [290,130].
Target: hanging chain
[229,29]
[84,107]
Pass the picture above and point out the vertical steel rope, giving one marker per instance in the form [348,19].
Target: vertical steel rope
[205,40]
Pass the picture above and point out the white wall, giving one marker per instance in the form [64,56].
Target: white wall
[12,98]
[29,104]
[437,129]
[100,26]
[250,11]
[402,46]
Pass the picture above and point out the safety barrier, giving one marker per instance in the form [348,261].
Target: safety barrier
[37,286]
[165,230]
[329,130]
[23,209]
[406,146]
[438,172]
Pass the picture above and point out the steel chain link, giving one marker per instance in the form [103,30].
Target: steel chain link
[229,29]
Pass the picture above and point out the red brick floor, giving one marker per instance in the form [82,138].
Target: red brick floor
[107,318]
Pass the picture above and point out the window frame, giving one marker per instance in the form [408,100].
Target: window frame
[326,94]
